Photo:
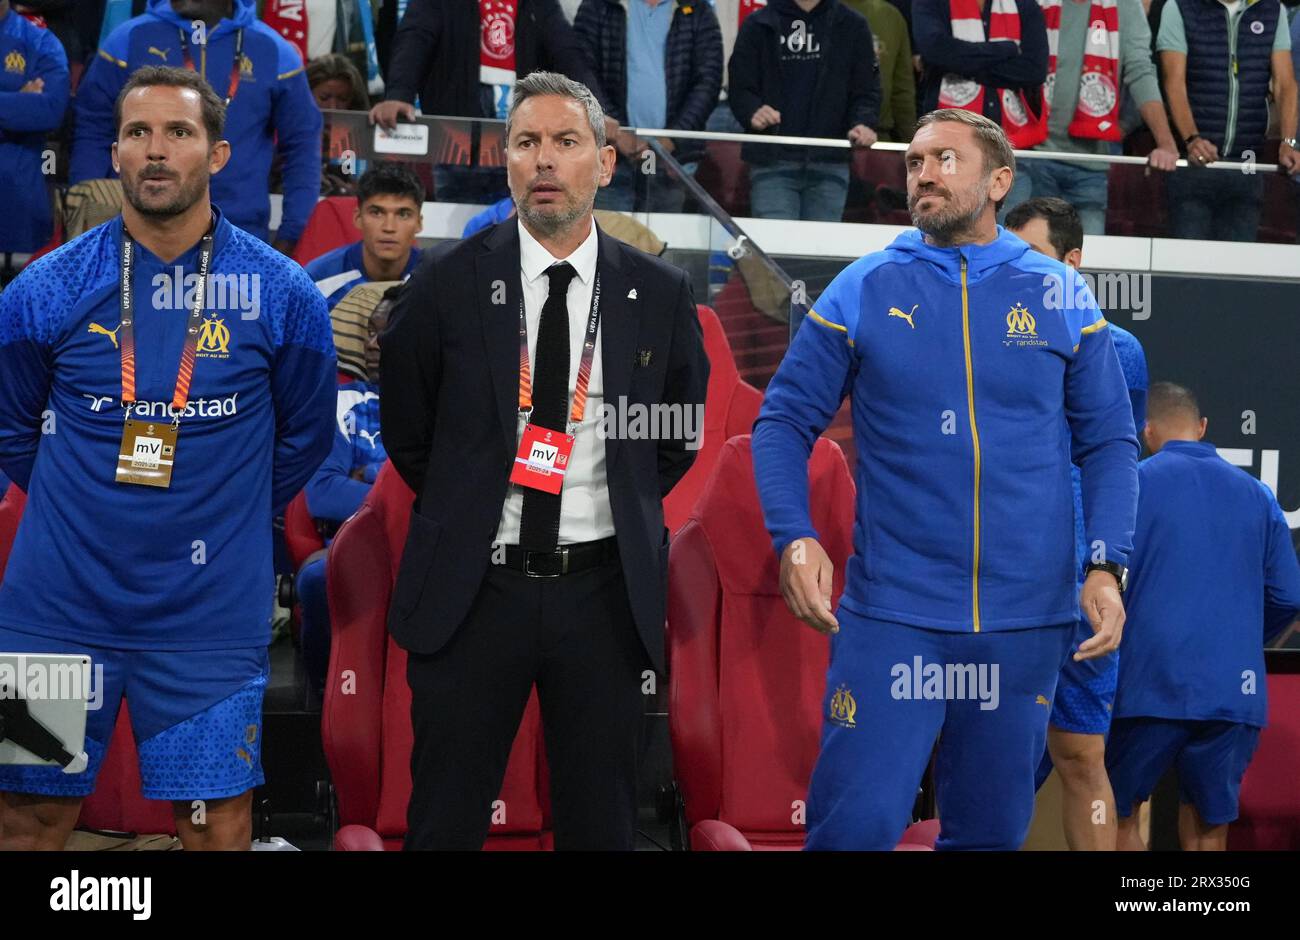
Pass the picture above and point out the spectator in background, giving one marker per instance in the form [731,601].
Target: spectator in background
[1213,578]
[1099,45]
[803,68]
[1218,58]
[462,59]
[389,204]
[33,97]
[992,66]
[336,84]
[269,106]
[731,14]
[893,48]
[659,63]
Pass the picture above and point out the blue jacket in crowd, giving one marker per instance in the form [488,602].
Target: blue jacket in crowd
[27,52]
[974,384]
[273,107]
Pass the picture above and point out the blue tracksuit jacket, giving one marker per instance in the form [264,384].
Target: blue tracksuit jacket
[273,106]
[976,375]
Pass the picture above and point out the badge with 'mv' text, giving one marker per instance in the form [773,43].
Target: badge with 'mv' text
[146,453]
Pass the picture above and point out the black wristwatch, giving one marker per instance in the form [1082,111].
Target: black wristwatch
[1113,568]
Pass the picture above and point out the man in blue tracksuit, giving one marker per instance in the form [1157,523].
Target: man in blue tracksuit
[158,418]
[975,379]
[1085,695]
[270,107]
[33,97]
[1214,579]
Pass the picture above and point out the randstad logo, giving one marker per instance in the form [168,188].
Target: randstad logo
[160,410]
[14,62]
[843,708]
[1020,322]
[214,339]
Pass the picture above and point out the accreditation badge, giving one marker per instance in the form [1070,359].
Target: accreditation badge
[543,459]
[146,453]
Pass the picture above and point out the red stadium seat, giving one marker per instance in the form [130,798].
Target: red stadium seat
[366,721]
[746,678]
[330,226]
[117,804]
[1269,809]
[731,406]
[301,536]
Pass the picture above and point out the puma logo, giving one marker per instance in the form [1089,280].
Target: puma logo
[160,53]
[372,437]
[895,312]
[111,334]
[1041,700]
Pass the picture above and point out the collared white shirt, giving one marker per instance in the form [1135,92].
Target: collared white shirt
[585,514]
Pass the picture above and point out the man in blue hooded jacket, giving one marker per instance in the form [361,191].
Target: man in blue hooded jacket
[269,105]
[977,370]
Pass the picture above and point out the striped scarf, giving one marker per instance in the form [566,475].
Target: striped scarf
[1096,115]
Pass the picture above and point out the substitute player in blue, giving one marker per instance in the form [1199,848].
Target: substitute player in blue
[33,97]
[1214,579]
[1081,708]
[156,431]
[970,395]
[389,204]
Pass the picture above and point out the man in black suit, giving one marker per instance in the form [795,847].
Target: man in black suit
[504,584]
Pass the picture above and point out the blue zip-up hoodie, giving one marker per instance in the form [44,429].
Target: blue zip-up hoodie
[976,375]
[27,52]
[273,106]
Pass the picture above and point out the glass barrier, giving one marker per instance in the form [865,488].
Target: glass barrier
[752,176]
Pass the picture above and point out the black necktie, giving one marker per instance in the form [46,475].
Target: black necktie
[539,523]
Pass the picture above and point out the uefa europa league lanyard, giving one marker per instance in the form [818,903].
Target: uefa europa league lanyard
[233,86]
[147,452]
[579,404]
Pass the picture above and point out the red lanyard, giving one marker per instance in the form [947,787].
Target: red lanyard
[126,341]
[234,66]
[579,405]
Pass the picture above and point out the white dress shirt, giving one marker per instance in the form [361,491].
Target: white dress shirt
[585,514]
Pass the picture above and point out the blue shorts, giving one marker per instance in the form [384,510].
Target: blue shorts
[196,716]
[884,710]
[1211,758]
[1085,693]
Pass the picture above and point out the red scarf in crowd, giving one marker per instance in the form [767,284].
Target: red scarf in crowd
[1023,127]
[1096,115]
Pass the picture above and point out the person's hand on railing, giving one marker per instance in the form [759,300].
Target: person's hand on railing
[386,113]
[1288,159]
[862,136]
[1164,157]
[1201,152]
[765,117]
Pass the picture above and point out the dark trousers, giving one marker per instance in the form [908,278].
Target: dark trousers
[1214,204]
[574,637]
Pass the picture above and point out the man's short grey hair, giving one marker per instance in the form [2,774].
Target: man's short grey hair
[553,83]
[991,138]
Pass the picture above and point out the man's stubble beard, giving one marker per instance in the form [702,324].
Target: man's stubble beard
[551,224]
[947,226]
[186,196]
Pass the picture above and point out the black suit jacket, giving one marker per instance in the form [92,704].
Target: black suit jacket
[449,406]
[435,53]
